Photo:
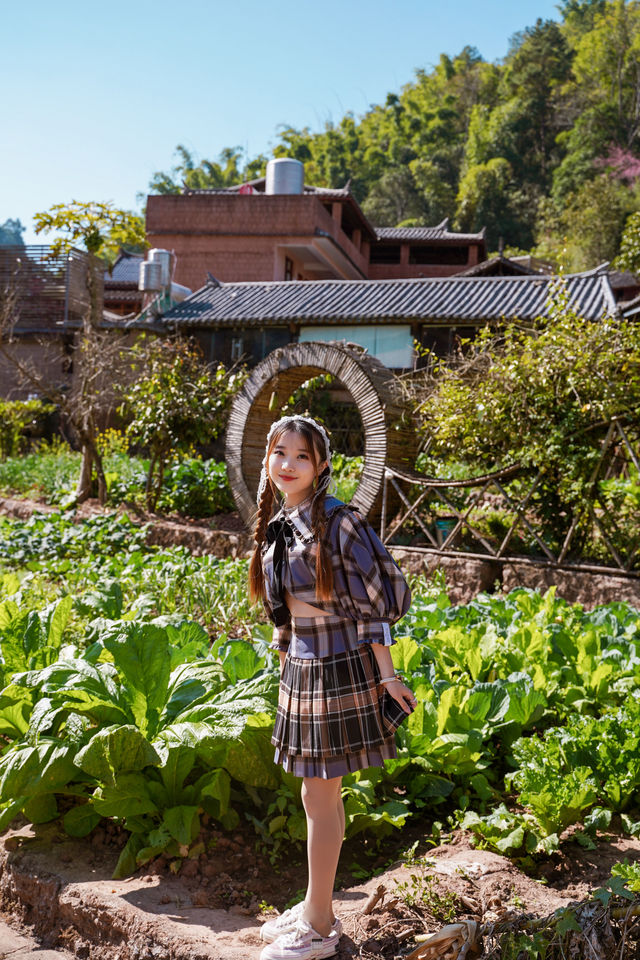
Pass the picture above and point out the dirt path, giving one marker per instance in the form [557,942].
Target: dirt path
[63,889]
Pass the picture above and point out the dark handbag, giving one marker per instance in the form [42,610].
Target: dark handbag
[392,713]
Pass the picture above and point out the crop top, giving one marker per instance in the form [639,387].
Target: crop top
[368,586]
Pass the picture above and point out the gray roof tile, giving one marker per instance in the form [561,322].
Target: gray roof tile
[460,299]
[125,270]
[417,234]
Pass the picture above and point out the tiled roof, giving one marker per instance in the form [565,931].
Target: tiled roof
[487,268]
[630,308]
[439,232]
[125,270]
[459,299]
[126,293]
[621,279]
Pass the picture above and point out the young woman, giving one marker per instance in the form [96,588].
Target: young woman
[331,590]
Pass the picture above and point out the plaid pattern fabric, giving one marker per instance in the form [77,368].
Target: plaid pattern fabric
[368,586]
[317,637]
[329,767]
[330,707]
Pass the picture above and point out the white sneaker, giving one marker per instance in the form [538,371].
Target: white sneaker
[302,943]
[287,921]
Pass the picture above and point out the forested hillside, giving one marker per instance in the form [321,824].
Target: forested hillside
[542,148]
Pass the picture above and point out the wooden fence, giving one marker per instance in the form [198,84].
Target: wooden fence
[497,515]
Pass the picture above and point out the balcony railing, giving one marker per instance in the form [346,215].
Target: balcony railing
[46,292]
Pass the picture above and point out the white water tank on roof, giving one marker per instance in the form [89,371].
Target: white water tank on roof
[179,292]
[284,175]
[150,277]
[163,257]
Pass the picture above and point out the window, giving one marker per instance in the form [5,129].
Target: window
[288,268]
[392,344]
[236,348]
[385,253]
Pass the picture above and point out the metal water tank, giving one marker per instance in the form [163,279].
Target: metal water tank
[150,277]
[163,257]
[179,292]
[284,175]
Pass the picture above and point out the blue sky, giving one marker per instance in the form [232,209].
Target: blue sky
[95,99]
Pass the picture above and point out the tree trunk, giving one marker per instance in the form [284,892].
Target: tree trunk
[102,480]
[158,483]
[83,488]
[148,490]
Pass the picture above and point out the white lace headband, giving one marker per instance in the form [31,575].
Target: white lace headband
[325,481]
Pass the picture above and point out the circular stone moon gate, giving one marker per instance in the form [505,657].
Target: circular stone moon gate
[388,436]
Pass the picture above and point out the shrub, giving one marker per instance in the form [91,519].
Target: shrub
[16,416]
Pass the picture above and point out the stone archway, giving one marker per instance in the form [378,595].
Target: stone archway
[387,429]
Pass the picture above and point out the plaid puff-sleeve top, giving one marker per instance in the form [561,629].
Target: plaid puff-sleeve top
[369,589]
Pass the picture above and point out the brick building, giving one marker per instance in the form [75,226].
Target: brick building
[261,231]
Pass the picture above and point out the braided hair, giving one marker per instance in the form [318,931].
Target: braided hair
[256,573]
[316,447]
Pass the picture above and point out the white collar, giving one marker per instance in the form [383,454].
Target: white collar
[300,518]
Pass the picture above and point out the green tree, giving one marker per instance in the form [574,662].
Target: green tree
[579,15]
[607,68]
[587,230]
[11,233]
[228,170]
[593,220]
[486,198]
[629,256]
[541,395]
[534,74]
[175,402]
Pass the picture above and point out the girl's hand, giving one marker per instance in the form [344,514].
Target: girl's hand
[282,654]
[402,695]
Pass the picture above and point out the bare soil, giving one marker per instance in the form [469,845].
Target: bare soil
[212,907]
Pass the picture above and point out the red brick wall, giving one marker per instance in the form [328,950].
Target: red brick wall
[236,237]
[45,357]
[401,271]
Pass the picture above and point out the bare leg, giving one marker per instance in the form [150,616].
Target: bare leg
[325,831]
[341,819]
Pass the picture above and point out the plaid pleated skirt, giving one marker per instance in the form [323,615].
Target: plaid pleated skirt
[329,722]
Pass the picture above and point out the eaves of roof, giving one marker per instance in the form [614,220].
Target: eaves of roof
[446,299]
[630,308]
[483,268]
[123,293]
[418,234]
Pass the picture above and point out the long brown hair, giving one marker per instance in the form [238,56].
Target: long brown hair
[314,443]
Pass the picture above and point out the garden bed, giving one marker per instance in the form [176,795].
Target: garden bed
[115,652]
[223,535]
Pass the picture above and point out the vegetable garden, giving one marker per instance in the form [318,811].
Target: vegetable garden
[138,688]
